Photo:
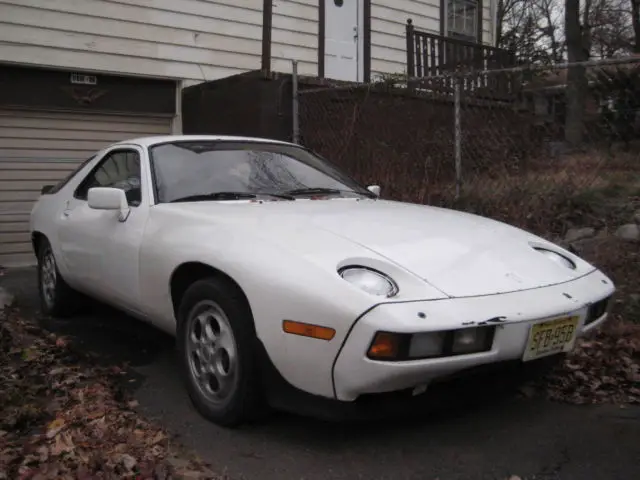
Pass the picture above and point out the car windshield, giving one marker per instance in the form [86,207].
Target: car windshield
[224,170]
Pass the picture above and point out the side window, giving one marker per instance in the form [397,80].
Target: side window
[60,185]
[119,169]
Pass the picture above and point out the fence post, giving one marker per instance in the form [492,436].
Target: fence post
[411,56]
[457,143]
[295,100]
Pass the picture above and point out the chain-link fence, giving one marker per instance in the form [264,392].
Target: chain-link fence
[538,147]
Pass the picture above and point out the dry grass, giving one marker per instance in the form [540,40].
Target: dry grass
[552,197]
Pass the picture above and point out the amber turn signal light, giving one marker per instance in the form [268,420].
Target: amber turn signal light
[308,330]
[384,345]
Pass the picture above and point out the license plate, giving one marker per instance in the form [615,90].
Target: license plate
[553,336]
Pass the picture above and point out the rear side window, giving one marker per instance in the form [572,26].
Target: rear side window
[60,185]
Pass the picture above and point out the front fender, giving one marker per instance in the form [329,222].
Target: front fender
[284,277]
[279,284]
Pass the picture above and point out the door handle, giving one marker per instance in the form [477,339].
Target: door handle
[67,211]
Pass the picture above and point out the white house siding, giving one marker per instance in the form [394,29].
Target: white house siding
[192,40]
[388,30]
[295,36]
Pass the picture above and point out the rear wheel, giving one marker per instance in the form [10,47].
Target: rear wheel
[57,298]
[216,339]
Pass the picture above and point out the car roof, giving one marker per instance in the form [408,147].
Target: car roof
[151,141]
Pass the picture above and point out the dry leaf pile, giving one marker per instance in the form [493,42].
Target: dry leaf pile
[64,417]
[604,367]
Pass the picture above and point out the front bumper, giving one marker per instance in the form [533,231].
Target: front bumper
[513,314]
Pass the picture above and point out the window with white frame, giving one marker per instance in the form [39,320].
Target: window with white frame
[462,19]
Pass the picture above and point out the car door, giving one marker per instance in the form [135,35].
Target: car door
[102,251]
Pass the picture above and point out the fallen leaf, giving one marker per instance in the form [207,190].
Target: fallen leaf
[43,454]
[63,444]
[158,437]
[55,427]
[128,461]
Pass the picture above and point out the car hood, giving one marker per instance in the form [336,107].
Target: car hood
[458,253]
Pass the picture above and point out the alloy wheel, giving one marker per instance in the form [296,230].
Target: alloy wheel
[48,278]
[212,352]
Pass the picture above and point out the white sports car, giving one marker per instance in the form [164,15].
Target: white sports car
[288,284]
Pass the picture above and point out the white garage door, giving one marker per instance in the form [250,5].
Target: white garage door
[40,148]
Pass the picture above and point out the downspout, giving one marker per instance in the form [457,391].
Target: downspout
[267,27]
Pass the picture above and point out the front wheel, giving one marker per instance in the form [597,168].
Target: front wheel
[216,339]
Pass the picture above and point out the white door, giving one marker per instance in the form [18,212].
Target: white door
[343,40]
[99,250]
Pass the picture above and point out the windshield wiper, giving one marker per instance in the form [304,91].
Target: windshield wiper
[324,191]
[278,195]
[314,191]
[215,196]
[229,196]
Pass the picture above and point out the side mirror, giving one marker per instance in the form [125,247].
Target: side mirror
[108,198]
[375,189]
[46,189]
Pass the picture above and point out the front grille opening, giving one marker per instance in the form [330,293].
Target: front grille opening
[597,310]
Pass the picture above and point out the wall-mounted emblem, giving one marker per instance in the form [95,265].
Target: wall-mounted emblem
[84,96]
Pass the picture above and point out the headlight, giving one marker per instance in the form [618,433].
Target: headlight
[371,281]
[556,257]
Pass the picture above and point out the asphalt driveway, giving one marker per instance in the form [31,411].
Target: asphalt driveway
[491,436]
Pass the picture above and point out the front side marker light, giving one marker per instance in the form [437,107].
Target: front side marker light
[308,330]
[385,346]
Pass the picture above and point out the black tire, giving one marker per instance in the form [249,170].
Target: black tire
[243,397]
[57,298]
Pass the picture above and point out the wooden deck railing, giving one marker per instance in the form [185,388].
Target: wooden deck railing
[430,55]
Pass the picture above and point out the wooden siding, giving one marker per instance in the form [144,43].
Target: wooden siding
[191,40]
[295,36]
[388,30]
[194,40]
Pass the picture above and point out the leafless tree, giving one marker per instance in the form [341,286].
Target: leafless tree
[611,27]
[578,41]
[531,28]
[552,31]
[635,22]
[535,29]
